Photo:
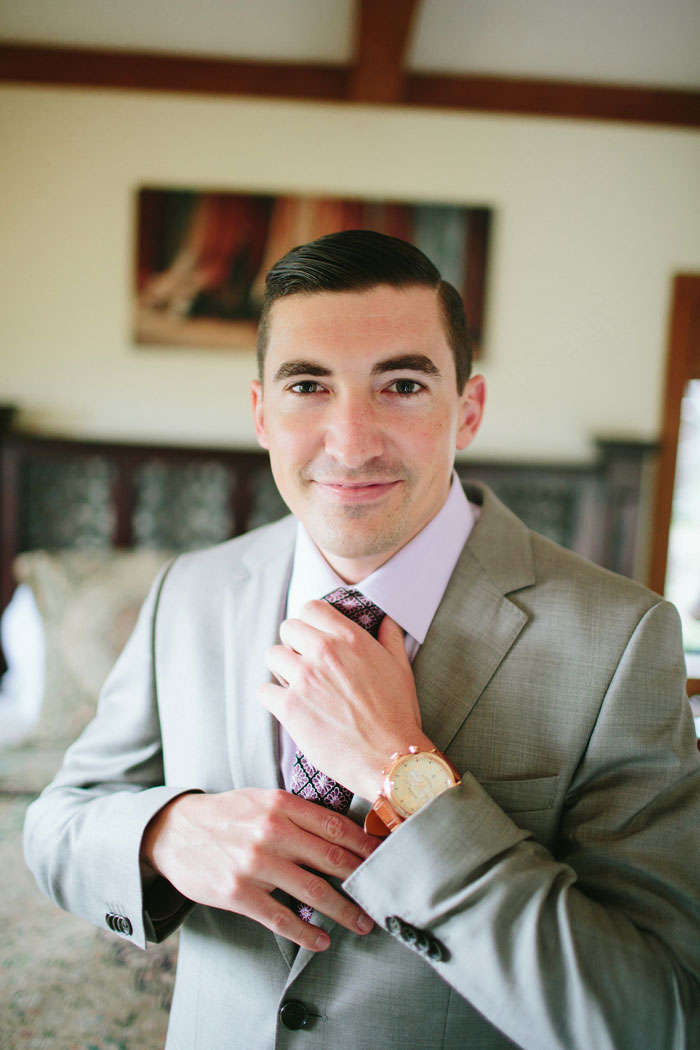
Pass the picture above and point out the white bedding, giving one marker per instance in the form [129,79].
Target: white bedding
[22,685]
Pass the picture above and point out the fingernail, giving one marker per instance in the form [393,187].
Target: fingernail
[322,941]
[364,923]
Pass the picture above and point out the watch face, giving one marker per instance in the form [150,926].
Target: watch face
[417,779]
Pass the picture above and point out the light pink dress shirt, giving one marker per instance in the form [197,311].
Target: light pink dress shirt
[409,587]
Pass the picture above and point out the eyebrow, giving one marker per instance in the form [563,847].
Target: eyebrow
[401,363]
[299,368]
[407,363]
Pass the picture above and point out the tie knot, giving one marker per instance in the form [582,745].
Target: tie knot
[356,607]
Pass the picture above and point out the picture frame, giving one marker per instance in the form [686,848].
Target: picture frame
[201,256]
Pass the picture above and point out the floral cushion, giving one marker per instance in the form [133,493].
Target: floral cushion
[89,602]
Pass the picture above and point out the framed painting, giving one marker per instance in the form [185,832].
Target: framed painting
[201,257]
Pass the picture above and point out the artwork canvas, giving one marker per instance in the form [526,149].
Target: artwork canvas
[201,257]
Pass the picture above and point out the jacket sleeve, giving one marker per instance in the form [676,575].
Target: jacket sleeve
[596,944]
[83,834]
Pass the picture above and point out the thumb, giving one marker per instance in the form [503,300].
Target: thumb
[391,636]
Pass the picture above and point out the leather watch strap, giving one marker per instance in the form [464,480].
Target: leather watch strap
[382,818]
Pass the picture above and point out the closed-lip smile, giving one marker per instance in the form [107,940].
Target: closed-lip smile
[356,491]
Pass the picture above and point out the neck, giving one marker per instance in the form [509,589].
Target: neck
[352,570]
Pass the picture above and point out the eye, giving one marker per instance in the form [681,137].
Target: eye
[405,386]
[305,386]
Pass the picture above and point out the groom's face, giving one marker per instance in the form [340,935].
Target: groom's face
[360,411]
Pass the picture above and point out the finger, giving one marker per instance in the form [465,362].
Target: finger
[332,828]
[262,907]
[328,858]
[325,617]
[272,697]
[391,636]
[282,662]
[299,636]
[282,920]
[284,864]
[308,887]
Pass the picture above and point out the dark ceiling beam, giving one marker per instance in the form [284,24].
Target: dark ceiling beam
[156,72]
[382,29]
[150,71]
[556,98]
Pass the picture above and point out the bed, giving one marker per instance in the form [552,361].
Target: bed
[84,527]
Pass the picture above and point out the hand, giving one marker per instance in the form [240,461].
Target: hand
[348,700]
[233,849]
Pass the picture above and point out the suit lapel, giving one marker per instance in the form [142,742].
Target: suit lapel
[476,623]
[471,634]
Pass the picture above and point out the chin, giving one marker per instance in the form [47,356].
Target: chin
[352,542]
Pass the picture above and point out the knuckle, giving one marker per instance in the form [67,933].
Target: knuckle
[279,922]
[277,800]
[268,827]
[266,830]
[236,887]
[335,855]
[253,856]
[314,889]
[325,650]
[333,826]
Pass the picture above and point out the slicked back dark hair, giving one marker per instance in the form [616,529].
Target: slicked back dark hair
[355,261]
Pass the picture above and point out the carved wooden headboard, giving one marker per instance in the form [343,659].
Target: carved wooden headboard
[61,493]
[72,493]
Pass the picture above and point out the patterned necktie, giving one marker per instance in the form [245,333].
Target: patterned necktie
[307,781]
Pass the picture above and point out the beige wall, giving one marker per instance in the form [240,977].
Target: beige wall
[592,221]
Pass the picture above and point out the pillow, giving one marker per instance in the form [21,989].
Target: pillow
[22,685]
[89,602]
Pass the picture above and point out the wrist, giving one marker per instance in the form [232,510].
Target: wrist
[159,826]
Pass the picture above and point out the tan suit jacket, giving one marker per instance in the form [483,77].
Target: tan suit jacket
[559,882]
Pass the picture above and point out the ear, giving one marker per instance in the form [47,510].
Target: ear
[471,410]
[256,399]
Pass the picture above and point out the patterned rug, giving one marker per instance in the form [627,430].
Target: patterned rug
[65,985]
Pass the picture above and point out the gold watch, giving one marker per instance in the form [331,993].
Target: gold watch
[413,779]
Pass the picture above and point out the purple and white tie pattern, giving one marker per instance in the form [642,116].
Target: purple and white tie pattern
[307,781]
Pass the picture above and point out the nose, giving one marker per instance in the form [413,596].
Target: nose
[353,432]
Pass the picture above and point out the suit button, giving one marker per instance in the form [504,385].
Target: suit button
[437,950]
[119,923]
[294,1015]
[409,934]
[394,924]
[422,942]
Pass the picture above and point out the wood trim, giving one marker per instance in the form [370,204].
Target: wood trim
[382,34]
[682,360]
[476,267]
[556,98]
[147,71]
[143,71]
[694,689]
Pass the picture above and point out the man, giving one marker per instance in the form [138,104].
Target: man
[530,872]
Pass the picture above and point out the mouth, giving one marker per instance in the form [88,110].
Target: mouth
[356,491]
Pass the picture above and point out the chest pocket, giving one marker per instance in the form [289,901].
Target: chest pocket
[530,804]
[522,796]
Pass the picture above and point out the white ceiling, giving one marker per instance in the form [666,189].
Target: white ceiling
[642,42]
